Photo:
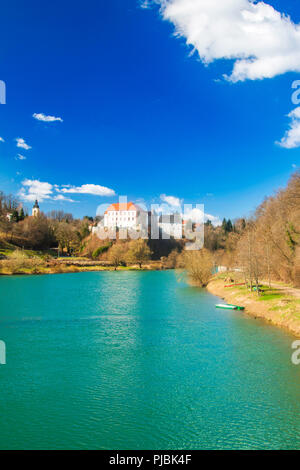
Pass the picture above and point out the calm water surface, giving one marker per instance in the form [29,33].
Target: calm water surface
[129,360]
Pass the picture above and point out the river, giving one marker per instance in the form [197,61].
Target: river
[140,360]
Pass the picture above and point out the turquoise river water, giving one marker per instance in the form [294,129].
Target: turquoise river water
[139,360]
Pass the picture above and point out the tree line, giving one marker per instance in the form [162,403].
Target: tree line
[69,236]
[56,229]
[266,245]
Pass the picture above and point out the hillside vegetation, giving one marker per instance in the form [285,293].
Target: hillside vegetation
[265,246]
[57,242]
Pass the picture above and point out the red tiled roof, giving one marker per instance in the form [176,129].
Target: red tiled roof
[129,206]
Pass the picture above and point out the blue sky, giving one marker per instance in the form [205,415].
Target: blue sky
[140,115]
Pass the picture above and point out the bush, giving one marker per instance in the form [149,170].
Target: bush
[15,263]
[99,251]
[170,262]
[35,265]
[138,252]
[117,255]
[18,262]
[199,265]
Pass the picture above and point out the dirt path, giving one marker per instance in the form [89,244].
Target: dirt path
[286,289]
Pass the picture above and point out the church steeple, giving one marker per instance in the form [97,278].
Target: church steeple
[36,209]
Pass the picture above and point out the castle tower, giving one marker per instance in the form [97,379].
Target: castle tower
[35,209]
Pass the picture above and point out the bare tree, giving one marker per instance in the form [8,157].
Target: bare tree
[117,255]
[138,252]
[67,237]
[198,265]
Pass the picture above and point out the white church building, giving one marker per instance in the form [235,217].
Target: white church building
[128,215]
[125,215]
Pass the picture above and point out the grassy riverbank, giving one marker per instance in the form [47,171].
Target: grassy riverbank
[41,264]
[279,305]
[119,255]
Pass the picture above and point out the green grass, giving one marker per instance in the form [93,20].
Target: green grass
[283,304]
[30,253]
[271,294]
[274,296]
[6,252]
[266,293]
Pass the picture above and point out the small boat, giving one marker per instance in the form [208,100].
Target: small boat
[230,307]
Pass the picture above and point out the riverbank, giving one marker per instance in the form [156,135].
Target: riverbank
[278,305]
[75,265]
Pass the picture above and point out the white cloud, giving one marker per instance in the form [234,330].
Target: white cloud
[35,189]
[171,200]
[94,189]
[173,205]
[45,118]
[169,205]
[197,215]
[20,157]
[22,144]
[215,220]
[291,138]
[261,41]
[60,197]
[1,139]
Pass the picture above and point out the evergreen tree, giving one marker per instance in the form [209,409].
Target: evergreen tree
[224,225]
[21,214]
[229,226]
[15,216]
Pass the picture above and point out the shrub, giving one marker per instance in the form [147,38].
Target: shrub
[138,252]
[170,262]
[199,265]
[35,265]
[117,255]
[18,262]
[102,249]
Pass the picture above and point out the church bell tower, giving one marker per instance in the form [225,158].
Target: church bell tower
[35,209]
